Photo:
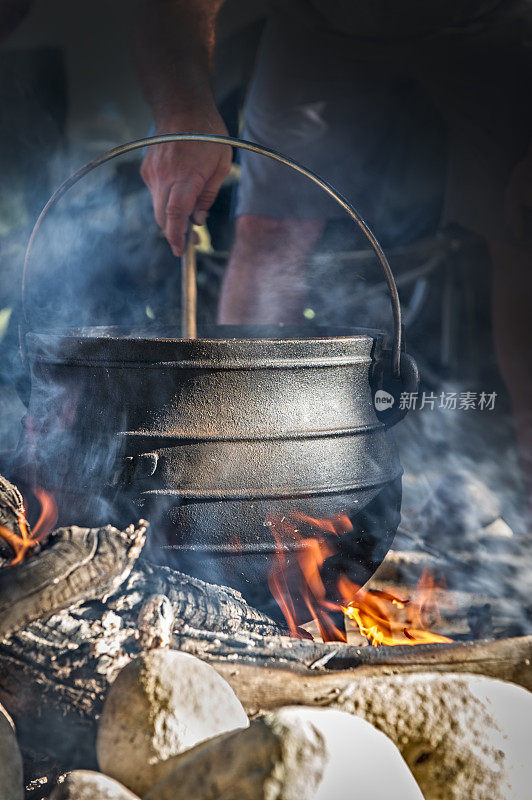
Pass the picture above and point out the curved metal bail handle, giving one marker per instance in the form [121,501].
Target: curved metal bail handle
[397,344]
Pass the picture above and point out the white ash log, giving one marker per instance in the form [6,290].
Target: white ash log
[463,736]
[161,704]
[11,507]
[11,779]
[292,754]
[74,565]
[77,565]
[155,622]
[84,784]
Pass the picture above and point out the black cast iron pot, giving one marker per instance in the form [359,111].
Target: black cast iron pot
[207,437]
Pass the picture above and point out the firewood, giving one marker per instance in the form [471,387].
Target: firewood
[86,785]
[76,564]
[461,735]
[11,779]
[11,512]
[285,683]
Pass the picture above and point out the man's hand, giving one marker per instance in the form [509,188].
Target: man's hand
[185,177]
[518,198]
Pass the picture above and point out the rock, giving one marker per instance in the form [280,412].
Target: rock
[86,785]
[293,753]
[11,776]
[160,704]
[463,736]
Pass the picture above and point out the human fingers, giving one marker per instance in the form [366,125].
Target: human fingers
[182,199]
[159,183]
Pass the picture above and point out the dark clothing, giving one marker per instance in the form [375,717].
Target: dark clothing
[394,19]
[327,99]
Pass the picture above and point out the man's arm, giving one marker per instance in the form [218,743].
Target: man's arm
[174,45]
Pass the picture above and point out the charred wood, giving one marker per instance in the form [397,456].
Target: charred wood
[75,564]
[292,682]
[11,512]
[54,673]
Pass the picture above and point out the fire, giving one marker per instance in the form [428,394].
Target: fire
[305,574]
[385,619]
[382,617]
[29,538]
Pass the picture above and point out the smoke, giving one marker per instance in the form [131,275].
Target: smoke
[98,263]
[92,254]
[463,504]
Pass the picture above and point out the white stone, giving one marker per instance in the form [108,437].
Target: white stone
[161,704]
[463,736]
[86,785]
[294,753]
[11,775]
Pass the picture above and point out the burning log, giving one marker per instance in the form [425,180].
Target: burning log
[308,673]
[75,564]
[16,536]
[11,507]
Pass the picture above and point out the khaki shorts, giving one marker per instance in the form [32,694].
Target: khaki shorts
[331,102]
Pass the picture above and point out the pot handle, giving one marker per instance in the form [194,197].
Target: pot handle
[397,342]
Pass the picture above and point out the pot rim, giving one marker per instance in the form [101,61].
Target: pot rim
[106,333]
[82,346]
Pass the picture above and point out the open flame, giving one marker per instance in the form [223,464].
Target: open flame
[29,538]
[382,617]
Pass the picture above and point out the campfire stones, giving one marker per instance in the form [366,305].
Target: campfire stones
[86,785]
[294,753]
[461,735]
[162,703]
[11,780]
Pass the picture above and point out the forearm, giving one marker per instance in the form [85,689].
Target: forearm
[174,45]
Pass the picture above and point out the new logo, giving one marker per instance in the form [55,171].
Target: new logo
[383,400]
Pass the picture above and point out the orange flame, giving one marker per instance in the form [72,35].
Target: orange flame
[29,539]
[385,619]
[310,555]
[381,617]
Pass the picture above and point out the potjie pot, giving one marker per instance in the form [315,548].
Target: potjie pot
[207,437]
